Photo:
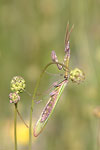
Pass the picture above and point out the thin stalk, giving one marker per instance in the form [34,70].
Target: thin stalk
[34,94]
[22,118]
[15,127]
[98,137]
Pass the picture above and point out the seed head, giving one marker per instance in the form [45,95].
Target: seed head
[77,75]
[14,97]
[17,84]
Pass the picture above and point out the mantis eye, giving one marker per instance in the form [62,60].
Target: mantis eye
[77,75]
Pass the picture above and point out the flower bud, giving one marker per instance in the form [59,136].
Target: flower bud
[54,56]
[17,84]
[55,59]
[77,75]
[14,97]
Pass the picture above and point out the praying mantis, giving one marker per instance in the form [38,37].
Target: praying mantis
[75,75]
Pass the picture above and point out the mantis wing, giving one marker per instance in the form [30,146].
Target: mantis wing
[49,108]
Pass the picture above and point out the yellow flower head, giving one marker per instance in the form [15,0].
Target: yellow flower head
[77,75]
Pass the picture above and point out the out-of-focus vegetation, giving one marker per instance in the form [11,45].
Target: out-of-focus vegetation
[29,30]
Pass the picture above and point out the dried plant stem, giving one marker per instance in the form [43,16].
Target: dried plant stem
[34,94]
[15,127]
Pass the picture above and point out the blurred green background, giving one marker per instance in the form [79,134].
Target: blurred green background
[29,31]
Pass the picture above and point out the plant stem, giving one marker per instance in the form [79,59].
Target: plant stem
[15,125]
[22,118]
[34,94]
[98,137]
